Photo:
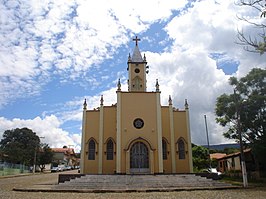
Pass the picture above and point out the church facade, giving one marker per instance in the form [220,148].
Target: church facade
[137,135]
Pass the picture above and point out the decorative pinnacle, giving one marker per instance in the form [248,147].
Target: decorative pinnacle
[170,100]
[129,57]
[157,86]
[101,100]
[85,105]
[186,104]
[119,85]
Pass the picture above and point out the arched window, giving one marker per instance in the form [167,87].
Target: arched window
[110,150]
[91,150]
[181,149]
[164,143]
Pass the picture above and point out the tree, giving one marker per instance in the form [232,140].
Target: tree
[19,145]
[249,99]
[259,148]
[44,156]
[256,43]
[230,150]
[200,157]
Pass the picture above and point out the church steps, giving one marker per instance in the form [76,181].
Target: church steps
[134,182]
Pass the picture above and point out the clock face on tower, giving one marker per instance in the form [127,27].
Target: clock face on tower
[138,123]
[137,70]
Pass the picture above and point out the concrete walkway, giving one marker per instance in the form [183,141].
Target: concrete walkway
[131,183]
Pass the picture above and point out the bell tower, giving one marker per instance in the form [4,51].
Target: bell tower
[137,69]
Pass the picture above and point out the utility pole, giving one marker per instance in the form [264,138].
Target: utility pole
[34,160]
[242,156]
[209,155]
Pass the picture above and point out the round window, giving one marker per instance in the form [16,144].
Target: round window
[137,70]
[138,123]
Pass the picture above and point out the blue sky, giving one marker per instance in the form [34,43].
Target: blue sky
[54,54]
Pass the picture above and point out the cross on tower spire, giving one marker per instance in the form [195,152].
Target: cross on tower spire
[136,40]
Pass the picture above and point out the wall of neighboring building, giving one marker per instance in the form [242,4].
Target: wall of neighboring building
[59,157]
[237,163]
[231,163]
[221,165]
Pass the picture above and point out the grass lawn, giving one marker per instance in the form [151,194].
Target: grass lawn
[239,181]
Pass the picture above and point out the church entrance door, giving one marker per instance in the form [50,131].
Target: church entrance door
[139,158]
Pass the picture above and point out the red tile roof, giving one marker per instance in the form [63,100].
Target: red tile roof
[217,155]
[64,150]
[235,154]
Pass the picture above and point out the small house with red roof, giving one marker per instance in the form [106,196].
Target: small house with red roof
[231,163]
[65,156]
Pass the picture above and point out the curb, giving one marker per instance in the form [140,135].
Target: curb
[51,189]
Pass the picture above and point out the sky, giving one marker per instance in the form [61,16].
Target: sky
[54,54]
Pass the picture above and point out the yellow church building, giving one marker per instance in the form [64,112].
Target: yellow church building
[137,135]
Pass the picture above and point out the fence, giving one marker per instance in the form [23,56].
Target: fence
[12,169]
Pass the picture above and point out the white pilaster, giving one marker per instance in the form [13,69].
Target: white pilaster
[172,135]
[159,132]
[100,164]
[189,138]
[118,133]
[83,141]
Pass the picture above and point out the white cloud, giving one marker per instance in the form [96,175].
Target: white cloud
[47,127]
[42,38]
[187,70]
